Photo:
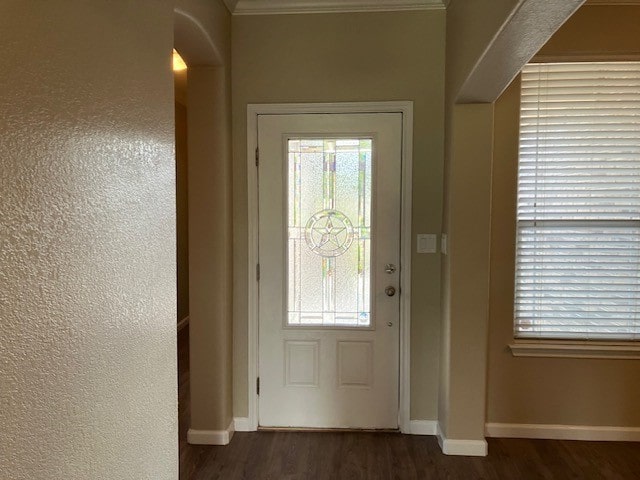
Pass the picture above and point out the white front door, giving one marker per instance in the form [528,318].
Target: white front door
[329,252]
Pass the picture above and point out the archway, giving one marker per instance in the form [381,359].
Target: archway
[201,36]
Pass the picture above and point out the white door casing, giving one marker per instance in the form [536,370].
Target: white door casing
[343,373]
[250,423]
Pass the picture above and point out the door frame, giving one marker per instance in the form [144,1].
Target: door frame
[253,111]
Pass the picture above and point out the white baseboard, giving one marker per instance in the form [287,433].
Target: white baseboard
[470,448]
[183,323]
[563,432]
[422,427]
[242,424]
[211,437]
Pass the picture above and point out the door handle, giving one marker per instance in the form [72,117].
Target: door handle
[390,291]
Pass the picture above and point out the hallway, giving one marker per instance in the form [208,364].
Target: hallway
[324,456]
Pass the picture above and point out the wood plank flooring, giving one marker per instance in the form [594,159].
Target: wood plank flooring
[337,456]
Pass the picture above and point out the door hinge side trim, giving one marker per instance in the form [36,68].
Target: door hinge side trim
[257,156]
[258,385]
[258,272]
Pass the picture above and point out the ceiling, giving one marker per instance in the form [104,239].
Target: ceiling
[265,7]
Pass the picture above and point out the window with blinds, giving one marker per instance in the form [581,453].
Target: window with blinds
[578,212]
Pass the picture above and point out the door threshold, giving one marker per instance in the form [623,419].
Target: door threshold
[329,430]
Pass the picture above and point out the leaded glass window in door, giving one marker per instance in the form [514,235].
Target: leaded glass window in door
[329,231]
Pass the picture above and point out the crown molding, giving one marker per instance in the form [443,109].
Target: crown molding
[273,7]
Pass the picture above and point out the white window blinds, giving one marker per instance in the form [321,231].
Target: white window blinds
[578,214]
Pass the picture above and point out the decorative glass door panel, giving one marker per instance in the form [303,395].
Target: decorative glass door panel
[329,231]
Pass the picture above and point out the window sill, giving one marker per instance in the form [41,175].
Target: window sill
[613,351]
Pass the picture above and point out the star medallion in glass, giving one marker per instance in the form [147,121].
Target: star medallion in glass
[329,232]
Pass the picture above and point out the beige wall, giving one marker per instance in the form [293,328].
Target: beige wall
[471,27]
[461,408]
[182,209]
[487,43]
[546,390]
[202,35]
[210,248]
[338,58]
[87,256]
[202,29]
[595,32]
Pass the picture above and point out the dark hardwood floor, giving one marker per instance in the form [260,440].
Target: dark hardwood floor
[289,455]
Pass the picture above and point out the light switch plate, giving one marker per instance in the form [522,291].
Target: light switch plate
[427,243]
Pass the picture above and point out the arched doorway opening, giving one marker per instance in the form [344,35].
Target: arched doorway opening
[200,39]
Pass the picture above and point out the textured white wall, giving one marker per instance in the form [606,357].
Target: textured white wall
[87,241]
